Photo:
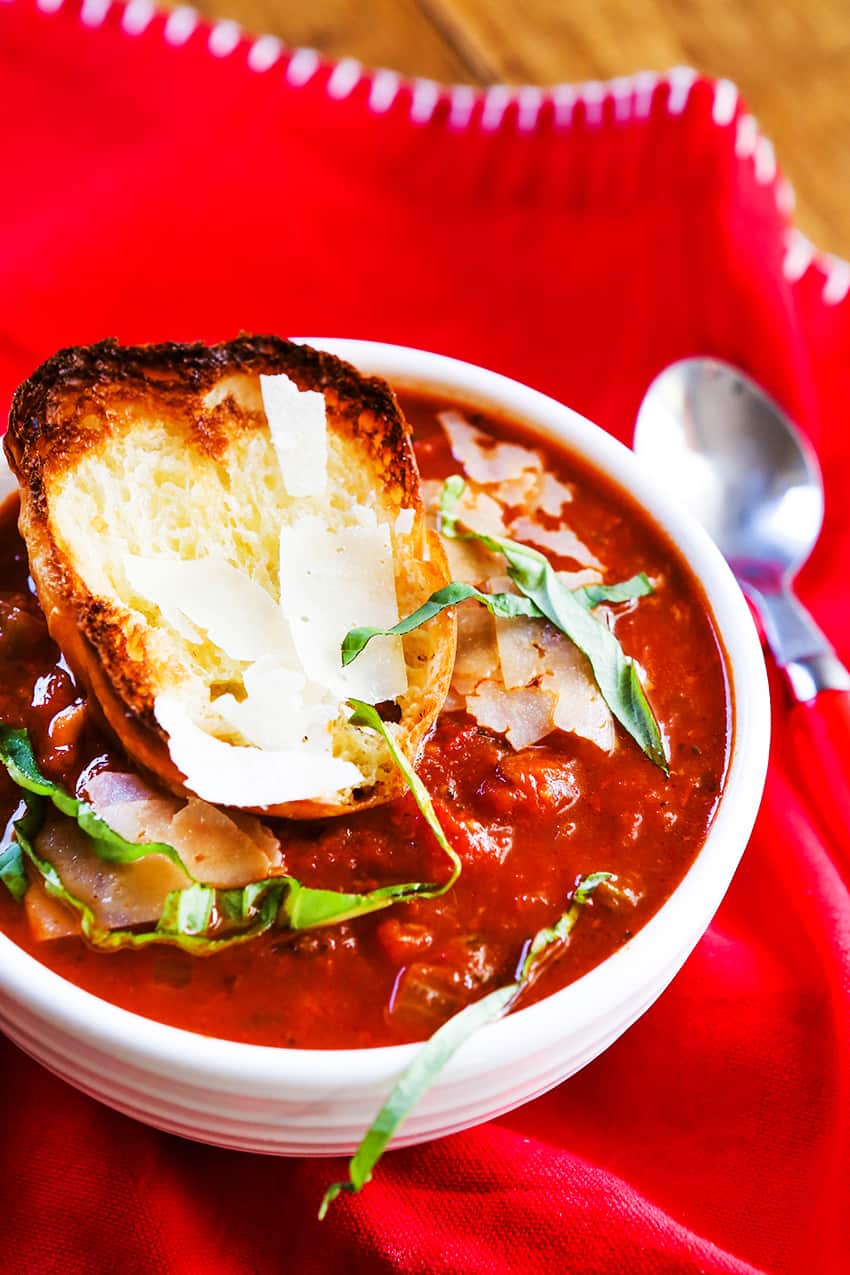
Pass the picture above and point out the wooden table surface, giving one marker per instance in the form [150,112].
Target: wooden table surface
[791,61]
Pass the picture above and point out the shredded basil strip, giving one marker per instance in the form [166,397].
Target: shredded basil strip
[615,673]
[241,913]
[445,1042]
[506,606]
[234,915]
[16,754]
[366,715]
[594,595]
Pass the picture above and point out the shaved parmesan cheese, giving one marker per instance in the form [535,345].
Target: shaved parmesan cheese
[110,787]
[531,651]
[119,894]
[484,460]
[333,581]
[469,560]
[580,707]
[577,579]
[477,657]
[454,702]
[280,709]
[236,776]
[431,490]
[525,716]
[481,513]
[220,851]
[217,848]
[146,820]
[520,650]
[404,522]
[298,426]
[233,610]
[522,491]
[563,542]
[553,495]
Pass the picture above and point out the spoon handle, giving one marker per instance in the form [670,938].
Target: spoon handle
[800,648]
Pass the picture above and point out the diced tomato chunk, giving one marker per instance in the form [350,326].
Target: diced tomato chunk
[403,941]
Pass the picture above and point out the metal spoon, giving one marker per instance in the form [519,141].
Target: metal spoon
[732,455]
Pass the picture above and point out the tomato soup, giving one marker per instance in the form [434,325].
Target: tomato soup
[528,820]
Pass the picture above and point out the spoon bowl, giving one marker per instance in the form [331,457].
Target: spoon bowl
[742,467]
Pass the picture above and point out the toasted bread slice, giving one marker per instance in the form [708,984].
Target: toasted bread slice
[165,451]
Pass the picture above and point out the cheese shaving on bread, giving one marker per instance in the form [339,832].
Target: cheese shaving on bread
[199,552]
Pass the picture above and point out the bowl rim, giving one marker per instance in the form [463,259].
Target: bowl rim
[643,962]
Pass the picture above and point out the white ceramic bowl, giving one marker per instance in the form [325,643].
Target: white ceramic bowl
[303,1102]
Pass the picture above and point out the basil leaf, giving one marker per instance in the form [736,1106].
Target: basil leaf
[415,1083]
[365,715]
[12,872]
[188,911]
[615,673]
[439,1049]
[191,917]
[305,908]
[506,605]
[558,933]
[593,595]
[16,754]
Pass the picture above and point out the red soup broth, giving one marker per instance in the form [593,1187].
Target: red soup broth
[527,825]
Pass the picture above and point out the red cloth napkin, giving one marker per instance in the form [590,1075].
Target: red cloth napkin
[165,181]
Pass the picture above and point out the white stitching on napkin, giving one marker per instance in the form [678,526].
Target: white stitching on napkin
[764,162]
[837,283]
[94,12]
[530,101]
[181,24]
[746,136]
[622,90]
[302,66]
[593,95]
[344,78]
[384,91]
[786,200]
[725,102]
[497,99]
[681,79]
[565,97]
[799,255]
[224,38]
[462,98]
[423,100]
[264,52]
[138,16]
[645,84]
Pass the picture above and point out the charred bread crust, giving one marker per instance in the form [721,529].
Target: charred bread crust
[65,406]
[75,401]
